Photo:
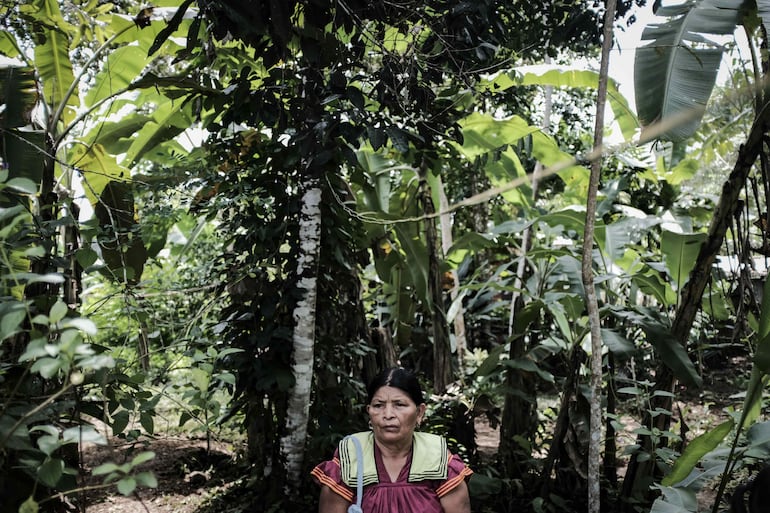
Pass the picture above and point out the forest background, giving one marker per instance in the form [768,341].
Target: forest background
[223,217]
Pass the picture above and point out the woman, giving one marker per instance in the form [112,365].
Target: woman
[403,471]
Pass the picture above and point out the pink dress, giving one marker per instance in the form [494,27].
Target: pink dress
[400,496]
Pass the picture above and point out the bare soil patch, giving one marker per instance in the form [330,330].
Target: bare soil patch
[188,475]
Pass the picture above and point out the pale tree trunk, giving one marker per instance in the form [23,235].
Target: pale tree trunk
[595,440]
[446,244]
[298,407]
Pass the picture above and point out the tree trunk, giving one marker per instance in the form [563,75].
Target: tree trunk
[442,352]
[592,304]
[446,245]
[640,473]
[293,442]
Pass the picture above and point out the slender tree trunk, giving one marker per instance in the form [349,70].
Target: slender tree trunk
[293,442]
[442,352]
[595,440]
[446,244]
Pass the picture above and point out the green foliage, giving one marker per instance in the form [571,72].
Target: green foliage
[676,71]
[124,476]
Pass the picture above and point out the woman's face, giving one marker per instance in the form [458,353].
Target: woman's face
[394,415]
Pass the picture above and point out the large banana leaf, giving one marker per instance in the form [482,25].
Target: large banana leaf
[8,44]
[22,148]
[558,76]
[675,73]
[168,120]
[52,58]
[124,65]
[18,94]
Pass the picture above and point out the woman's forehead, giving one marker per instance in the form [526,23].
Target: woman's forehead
[387,392]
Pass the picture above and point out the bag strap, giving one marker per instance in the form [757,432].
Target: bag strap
[356,508]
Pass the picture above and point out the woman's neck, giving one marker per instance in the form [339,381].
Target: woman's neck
[394,450]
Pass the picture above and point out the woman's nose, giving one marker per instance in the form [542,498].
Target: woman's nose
[388,411]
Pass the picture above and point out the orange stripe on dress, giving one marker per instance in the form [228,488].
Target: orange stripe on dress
[334,485]
[453,483]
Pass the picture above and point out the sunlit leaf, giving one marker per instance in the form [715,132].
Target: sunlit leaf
[695,450]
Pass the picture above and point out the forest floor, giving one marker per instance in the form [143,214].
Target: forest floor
[190,477]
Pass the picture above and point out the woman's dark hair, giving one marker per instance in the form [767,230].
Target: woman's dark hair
[396,377]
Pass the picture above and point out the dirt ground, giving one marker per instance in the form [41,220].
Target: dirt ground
[187,475]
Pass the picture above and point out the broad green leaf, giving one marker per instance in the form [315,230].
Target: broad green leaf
[142,457]
[684,170]
[87,326]
[675,500]
[119,422]
[125,253]
[49,443]
[12,315]
[570,219]
[18,95]
[23,185]
[505,167]
[105,468]
[24,150]
[675,72]
[618,345]
[53,62]
[173,25]
[85,434]
[147,479]
[58,311]
[29,506]
[47,367]
[557,76]
[127,485]
[613,239]
[8,44]
[123,65]
[169,119]
[759,434]
[148,422]
[51,471]
[491,362]
[652,283]
[98,168]
[86,257]
[569,267]
[680,251]
[695,450]
[672,353]
[483,133]
[116,136]
[416,260]
[200,378]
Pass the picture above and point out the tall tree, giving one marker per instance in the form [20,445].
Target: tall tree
[587,272]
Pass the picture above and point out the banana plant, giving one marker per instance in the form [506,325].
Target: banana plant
[58,110]
[675,72]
